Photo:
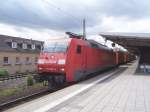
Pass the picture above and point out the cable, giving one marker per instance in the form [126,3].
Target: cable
[77,20]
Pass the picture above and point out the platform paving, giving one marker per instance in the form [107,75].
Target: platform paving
[127,92]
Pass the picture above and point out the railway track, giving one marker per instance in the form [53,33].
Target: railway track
[14,102]
[9,102]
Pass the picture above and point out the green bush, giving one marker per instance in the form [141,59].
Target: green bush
[9,91]
[3,72]
[29,80]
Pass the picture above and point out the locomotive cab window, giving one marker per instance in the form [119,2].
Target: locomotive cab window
[78,50]
[57,46]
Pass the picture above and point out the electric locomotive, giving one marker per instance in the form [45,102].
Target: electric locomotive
[74,58]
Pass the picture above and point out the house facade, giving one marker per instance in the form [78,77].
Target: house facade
[19,55]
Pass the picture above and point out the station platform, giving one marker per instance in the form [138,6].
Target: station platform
[120,90]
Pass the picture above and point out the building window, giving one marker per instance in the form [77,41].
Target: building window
[39,47]
[28,60]
[18,60]
[19,45]
[14,45]
[6,60]
[36,60]
[33,46]
[24,46]
[29,46]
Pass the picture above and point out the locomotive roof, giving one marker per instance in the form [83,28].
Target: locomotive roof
[95,44]
[73,35]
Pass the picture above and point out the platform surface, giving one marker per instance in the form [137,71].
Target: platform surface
[124,91]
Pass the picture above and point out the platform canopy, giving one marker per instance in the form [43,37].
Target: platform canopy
[134,42]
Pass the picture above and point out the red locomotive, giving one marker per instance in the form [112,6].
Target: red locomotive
[74,58]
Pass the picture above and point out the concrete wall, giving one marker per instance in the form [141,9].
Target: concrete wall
[12,68]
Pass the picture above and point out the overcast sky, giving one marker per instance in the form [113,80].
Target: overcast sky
[46,19]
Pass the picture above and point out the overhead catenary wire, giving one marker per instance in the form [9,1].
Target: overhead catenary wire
[77,20]
[74,18]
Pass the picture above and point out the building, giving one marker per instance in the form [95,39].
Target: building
[19,55]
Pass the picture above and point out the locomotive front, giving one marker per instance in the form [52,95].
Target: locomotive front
[52,59]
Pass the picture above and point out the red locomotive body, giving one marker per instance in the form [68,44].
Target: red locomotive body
[120,57]
[85,57]
[75,58]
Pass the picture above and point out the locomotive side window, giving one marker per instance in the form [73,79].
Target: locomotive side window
[78,50]
[94,45]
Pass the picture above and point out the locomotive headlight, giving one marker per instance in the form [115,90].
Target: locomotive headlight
[40,68]
[61,61]
[62,69]
[40,61]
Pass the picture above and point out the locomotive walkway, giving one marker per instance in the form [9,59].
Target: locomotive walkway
[119,91]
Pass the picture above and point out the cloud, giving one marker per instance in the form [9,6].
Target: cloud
[120,24]
[68,14]
[29,33]
[131,8]
[36,14]
[52,18]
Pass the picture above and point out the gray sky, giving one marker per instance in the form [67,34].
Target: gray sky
[46,19]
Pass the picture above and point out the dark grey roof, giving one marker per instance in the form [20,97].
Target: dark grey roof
[5,44]
[131,41]
[126,35]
